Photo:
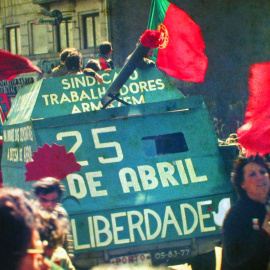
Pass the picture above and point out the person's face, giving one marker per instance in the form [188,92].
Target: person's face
[256,182]
[48,201]
[34,260]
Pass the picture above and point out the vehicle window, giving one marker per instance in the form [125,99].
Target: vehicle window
[164,144]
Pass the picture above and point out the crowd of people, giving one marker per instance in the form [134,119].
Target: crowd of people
[34,230]
[71,62]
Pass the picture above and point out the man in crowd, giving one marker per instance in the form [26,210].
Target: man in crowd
[49,192]
[74,63]
[61,70]
[105,51]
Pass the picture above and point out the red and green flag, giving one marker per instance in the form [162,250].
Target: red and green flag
[182,52]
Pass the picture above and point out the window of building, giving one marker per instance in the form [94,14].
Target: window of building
[91,31]
[64,34]
[40,37]
[14,39]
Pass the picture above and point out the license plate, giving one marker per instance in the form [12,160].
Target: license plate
[136,259]
[171,254]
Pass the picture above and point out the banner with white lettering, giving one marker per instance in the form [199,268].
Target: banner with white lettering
[149,173]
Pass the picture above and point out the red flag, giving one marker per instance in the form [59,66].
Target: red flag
[12,65]
[254,135]
[182,54]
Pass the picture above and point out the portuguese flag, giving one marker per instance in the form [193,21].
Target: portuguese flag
[182,54]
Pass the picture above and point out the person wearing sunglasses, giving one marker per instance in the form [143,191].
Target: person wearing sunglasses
[20,245]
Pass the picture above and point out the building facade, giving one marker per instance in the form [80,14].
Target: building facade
[41,29]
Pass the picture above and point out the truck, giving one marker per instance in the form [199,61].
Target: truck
[154,184]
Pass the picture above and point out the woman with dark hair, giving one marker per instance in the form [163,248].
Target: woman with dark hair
[20,246]
[246,228]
